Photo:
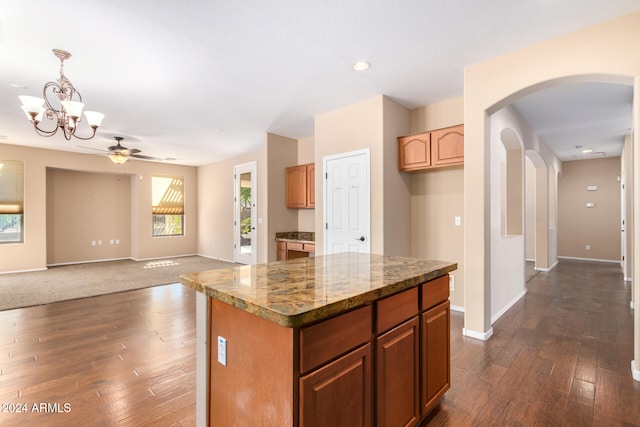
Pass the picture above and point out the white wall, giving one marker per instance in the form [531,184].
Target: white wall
[507,278]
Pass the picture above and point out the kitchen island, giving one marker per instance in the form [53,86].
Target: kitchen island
[345,339]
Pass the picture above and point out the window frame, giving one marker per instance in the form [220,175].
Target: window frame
[167,204]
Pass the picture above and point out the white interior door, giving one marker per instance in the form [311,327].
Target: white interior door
[245,217]
[347,203]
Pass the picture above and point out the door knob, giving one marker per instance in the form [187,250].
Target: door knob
[361,238]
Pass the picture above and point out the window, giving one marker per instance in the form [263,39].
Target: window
[168,205]
[11,201]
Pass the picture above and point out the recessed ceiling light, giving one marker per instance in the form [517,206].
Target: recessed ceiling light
[361,65]
[587,150]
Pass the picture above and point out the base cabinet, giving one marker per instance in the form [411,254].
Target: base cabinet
[338,394]
[435,354]
[384,364]
[397,376]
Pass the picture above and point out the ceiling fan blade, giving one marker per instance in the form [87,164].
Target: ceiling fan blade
[92,148]
[140,156]
[133,151]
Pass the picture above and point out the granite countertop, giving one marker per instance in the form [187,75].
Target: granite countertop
[297,292]
[297,236]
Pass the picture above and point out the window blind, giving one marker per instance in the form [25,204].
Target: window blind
[167,195]
[11,187]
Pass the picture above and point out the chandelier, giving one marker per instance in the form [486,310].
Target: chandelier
[67,116]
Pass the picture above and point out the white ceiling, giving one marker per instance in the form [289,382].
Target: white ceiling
[204,80]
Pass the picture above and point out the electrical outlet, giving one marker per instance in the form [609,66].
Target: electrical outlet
[222,351]
[588,247]
[457,221]
[117,241]
[99,242]
[452,283]
[93,243]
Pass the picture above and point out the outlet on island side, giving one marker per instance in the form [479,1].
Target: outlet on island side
[452,282]
[222,351]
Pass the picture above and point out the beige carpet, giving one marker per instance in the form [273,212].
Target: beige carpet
[86,280]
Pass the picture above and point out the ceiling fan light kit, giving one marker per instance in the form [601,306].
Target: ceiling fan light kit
[68,114]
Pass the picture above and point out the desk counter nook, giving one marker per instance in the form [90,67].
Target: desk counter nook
[343,340]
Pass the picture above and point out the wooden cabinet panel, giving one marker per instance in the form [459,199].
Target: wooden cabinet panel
[296,187]
[397,376]
[295,246]
[447,146]
[393,310]
[338,394]
[429,150]
[326,340]
[300,186]
[414,151]
[434,292]
[311,185]
[291,250]
[434,355]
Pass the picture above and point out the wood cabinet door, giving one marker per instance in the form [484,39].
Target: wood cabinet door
[311,185]
[296,186]
[397,378]
[338,394]
[414,151]
[447,146]
[434,355]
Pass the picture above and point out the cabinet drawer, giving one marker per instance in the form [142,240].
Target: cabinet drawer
[393,310]
[329,339]
[282,246]
[435,291]
[309,247]
[295,246]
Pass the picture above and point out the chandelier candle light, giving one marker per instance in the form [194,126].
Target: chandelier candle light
[68,115]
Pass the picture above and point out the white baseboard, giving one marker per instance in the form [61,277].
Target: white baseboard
[23,271]
[456,308]
[508,306]
[478,335]
[161,257]
[91,261]
[216,258]
[546,270]
[615,261]
[634,371]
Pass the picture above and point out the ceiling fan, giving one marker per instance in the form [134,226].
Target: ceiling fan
[120,154]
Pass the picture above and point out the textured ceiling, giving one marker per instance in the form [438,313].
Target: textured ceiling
[204,80]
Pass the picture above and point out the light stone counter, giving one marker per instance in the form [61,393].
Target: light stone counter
[297,292]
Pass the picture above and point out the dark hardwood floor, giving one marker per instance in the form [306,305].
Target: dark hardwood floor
[560,357]
[124,359]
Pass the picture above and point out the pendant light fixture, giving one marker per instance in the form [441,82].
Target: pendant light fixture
[67,115]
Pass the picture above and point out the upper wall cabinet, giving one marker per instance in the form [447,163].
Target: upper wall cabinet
[300,186]
[414,152]
[427,150]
